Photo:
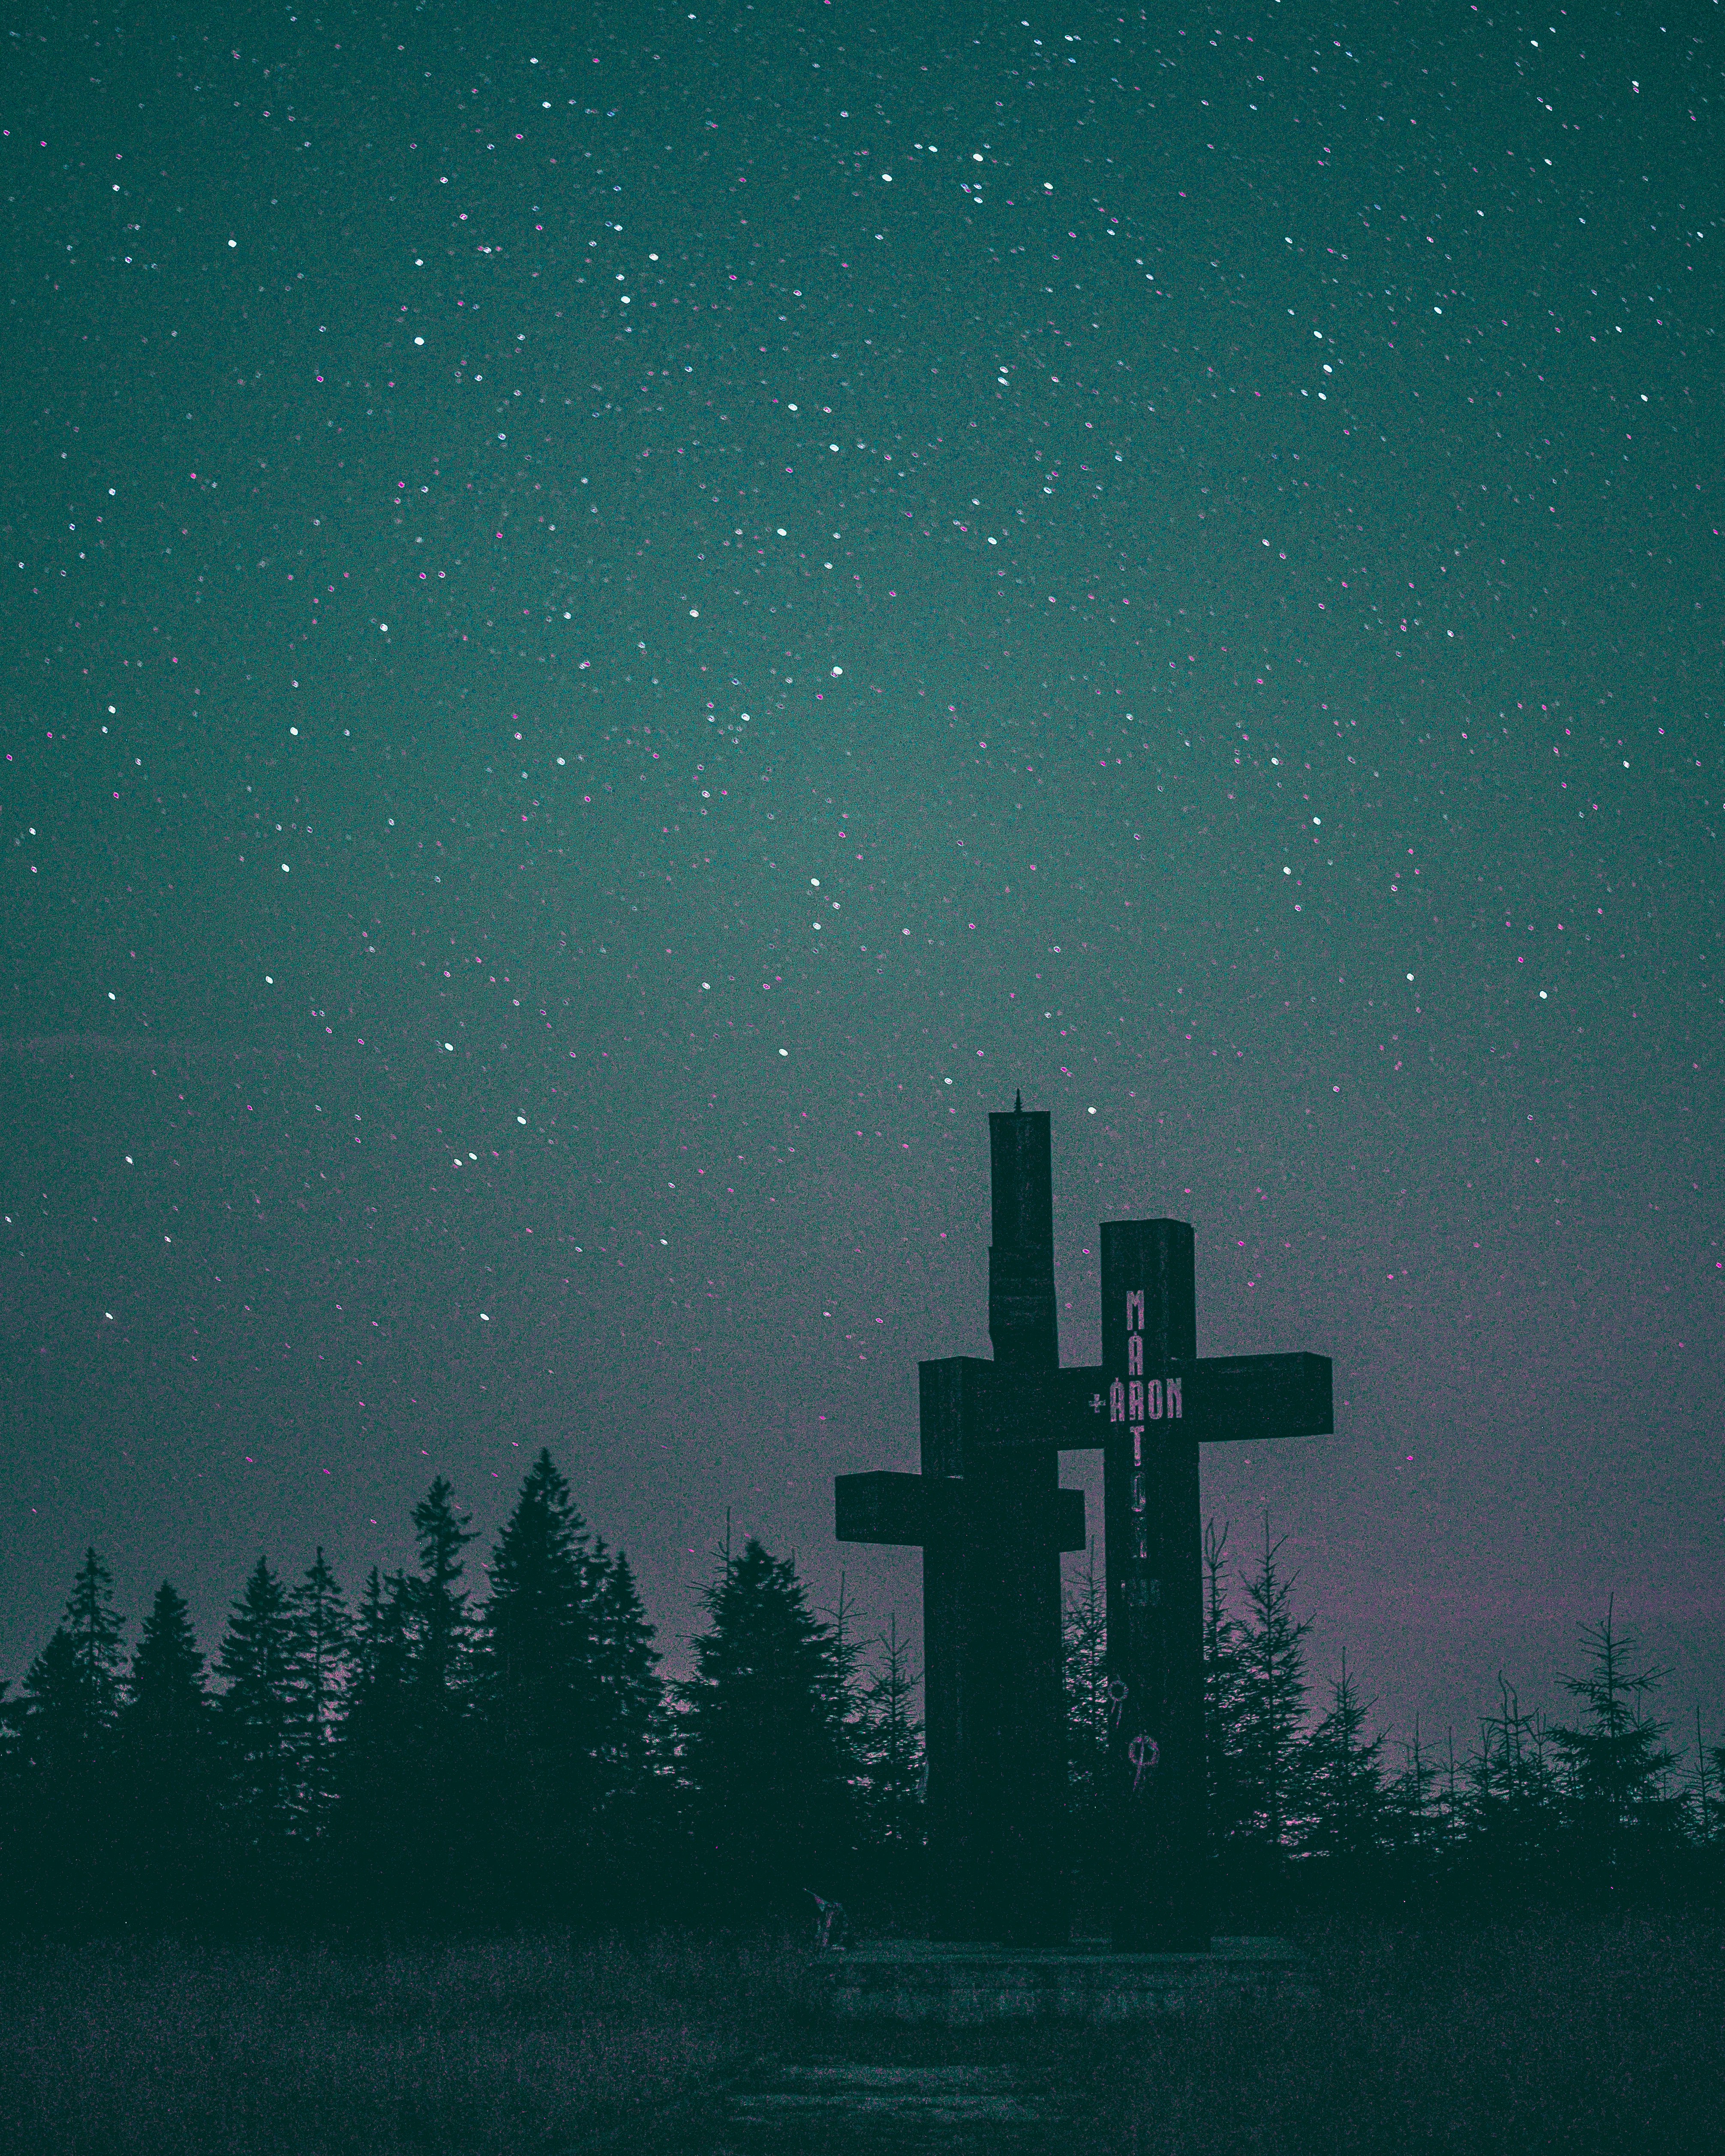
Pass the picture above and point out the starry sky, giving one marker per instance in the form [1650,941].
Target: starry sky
[618,623]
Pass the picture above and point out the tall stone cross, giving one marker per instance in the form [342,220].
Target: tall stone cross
[992,1520]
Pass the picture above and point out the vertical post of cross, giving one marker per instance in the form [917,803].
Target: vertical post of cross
[991,1590]
[1155,1593]
[992,1594]
[1017,1566]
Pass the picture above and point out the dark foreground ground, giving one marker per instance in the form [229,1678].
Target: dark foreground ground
[1546,2035]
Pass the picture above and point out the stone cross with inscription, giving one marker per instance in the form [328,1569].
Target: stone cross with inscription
[992,1522]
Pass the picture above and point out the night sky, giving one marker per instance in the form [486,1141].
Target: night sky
[619,621]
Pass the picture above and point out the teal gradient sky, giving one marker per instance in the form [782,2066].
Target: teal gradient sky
[608,639]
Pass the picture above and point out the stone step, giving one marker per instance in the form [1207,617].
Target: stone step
[885,2110]
[957,1984]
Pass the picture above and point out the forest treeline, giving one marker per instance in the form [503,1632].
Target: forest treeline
[1309,1805]
[427,1760]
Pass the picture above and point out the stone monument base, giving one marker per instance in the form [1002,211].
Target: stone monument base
[963,1985]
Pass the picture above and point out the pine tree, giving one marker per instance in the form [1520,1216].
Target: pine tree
[890,1751]
[1344,1780]
[1089,1828]
[166,1699]
[376,1774]
[257,1714]
[15,1820]
[1703,1791]
[1224,1700]
[165,1689]
[322,1645]
[632,1698]
[847,1663]
[540,1683]
[1453,1804]
[56,1742]
[47,1874]
[1622,1812]
[383,1639]
[1716,1752]
[762,1743]
[1085,1683]
[95,1631]
[167,1756]
[540,1703]
[633,1797]
[62,1857]
[1512,1797]
[1272,1656]
[1414,1807]
[443,1630]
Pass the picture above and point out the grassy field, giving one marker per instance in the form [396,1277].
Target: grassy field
[520,2045]
[1551,2035]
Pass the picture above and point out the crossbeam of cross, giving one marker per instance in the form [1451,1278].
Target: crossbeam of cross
[1222,1399]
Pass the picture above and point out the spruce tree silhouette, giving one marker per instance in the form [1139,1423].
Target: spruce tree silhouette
[62,1848]
[634,1796]
[58,1823]
[1349,1817]
[1702,1795]
[632,1699]
[166,1698]
[540,1702]
[321,1646]
[62,1740]
[382,1655]
[55,1736]
[1225,1700]
[374,1773]
[1272,1656]
[847,1662]
[443,1630]
[1625,1820]
[1513,1802]
[1083,1635]
[1085,1643]
[438,1832]
[890,1756]
[10,1715]
[256,1722]
[167,1770]
[1420,1822]
[95,1632]
[1712,1816]
[762,1747]
[11,1712]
